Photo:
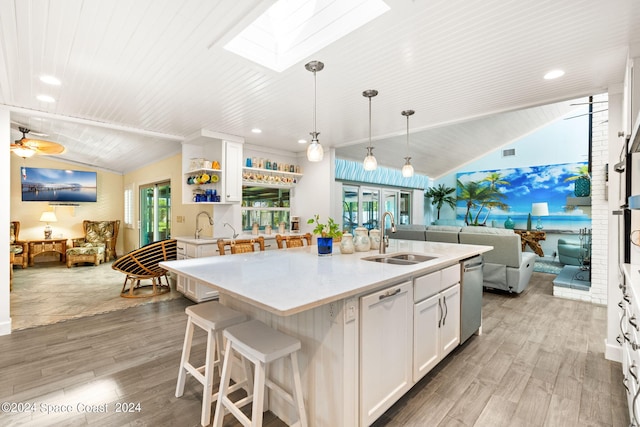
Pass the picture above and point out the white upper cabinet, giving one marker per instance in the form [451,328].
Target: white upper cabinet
[212,168]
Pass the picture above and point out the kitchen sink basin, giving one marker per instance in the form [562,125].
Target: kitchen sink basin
[401,258]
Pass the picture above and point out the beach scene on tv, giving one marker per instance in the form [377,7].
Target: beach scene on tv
[58,185]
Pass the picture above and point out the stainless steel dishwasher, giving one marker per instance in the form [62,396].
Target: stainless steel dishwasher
[471,298]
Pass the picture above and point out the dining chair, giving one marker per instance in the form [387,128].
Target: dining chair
[293,240]
[240,246]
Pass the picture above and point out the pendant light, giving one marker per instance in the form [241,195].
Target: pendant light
[370,163]
[407,169]
[315,153]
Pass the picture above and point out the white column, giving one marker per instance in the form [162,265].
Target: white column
[5,187]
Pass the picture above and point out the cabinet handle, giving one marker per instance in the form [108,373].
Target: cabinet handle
[633,322]
[446,310]
[625,380]
[619,339]
[389,294]
[440,310]
[627,298]
[632,371]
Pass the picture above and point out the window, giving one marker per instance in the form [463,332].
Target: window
[265,206]
[364,206]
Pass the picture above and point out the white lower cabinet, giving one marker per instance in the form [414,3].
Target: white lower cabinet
[191,288]
[436,329]
[629,339]
[436,318]
[386,340]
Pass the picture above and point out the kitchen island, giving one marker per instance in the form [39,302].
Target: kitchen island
[323,302]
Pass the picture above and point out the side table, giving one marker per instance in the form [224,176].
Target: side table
[531,238]
[37,247]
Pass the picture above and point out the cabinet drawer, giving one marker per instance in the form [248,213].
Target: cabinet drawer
[426,286]
[182,250]
[450,276]
[191,250]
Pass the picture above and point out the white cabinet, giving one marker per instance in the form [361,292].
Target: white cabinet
[436,318]
[191,288]
[233,172]
[200,153]
[386,341]
[629,338]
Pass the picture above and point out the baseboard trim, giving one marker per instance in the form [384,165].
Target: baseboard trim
[613,352]
[5,327]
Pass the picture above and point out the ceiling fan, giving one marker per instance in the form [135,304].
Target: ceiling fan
[27,147]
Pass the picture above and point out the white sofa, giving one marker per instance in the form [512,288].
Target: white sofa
[506,267]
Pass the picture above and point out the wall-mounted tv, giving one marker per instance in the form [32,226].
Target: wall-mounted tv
[58,185]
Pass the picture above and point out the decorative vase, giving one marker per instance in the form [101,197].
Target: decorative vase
[346,244]
[325,246]
[374,237]
[361,240]
[529,223]
[582,187]
[509,223]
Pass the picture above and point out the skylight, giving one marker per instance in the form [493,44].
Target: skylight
[292,30]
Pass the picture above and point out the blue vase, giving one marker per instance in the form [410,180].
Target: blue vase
[509,223]
[325,245]
[582,187]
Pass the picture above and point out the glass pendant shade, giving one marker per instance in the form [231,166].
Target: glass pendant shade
[407,169]
[370,163]
[315,153]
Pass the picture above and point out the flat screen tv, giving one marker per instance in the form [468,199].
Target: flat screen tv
[58,185]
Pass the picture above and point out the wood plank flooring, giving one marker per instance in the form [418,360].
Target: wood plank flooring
[539,362]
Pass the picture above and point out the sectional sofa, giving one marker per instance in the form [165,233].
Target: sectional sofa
[506,267]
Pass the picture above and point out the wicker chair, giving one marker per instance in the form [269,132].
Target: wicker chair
[143,264]
[240,246]
[99,233]
[293,241]
[19,248]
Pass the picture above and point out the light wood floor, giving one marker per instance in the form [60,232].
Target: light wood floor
[539,363]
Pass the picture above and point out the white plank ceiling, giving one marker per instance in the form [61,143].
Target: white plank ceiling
[140,76]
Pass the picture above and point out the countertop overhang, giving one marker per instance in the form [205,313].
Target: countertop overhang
[289,281]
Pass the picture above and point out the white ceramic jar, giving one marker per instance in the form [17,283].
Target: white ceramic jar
[346,244]
[361,240]
[374,237]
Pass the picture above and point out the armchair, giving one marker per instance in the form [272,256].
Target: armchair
[99,233]
[573,252]
[19,248]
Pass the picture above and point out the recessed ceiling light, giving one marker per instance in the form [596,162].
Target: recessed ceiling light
[290,31]
[302,141]
[256,130]
[46,98]
[553,74]
[50,80]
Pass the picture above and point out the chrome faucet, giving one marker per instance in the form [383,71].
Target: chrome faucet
[231,227]
[384,239]
[198,229]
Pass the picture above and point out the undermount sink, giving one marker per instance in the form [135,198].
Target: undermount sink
[401,258]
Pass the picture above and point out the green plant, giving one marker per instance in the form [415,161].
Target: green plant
[581,172]
[330,229]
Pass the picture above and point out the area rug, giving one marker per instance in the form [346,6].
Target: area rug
[49,292]
[546,266]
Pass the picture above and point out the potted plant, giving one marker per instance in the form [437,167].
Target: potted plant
[326,233]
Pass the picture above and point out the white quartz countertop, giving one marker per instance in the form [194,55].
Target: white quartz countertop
[290,281]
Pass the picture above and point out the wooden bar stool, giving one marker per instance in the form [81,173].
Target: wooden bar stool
[260,344]
[213,317]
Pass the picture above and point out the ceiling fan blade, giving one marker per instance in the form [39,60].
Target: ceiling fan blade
[585,114]
[43,147]
[19,126]
[589,103]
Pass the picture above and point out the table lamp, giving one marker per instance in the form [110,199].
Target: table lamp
[540,209]
[48,217]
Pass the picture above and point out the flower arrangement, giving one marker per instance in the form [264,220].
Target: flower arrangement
[330,229]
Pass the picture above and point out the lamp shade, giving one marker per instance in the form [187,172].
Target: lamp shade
[48,216]
[540,209]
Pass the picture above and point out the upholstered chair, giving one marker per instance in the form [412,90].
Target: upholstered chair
[99,233]
[18,248]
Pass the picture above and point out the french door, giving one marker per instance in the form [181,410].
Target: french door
[155,212]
